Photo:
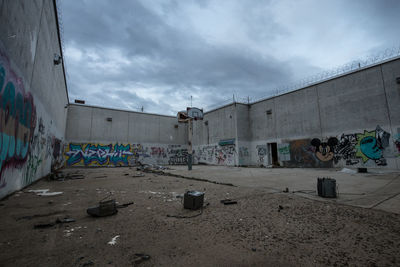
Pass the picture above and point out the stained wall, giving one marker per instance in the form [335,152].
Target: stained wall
[100,136]
[33,93]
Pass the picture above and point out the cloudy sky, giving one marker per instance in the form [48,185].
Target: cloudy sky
[132,53]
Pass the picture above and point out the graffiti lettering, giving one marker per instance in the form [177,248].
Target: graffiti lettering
[98,154]
[179,156]
[123,155]
[215,154]
[17,118]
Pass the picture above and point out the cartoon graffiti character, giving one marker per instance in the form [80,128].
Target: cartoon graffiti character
[324,150]
[370,148]
[370,145]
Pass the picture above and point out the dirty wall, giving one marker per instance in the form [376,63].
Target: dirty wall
[109,137]
[349,121]
[33,94]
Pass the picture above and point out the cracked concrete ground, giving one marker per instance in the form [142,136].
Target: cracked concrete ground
[265,228]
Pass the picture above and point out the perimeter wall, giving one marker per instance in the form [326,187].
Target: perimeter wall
[107,137]
[33,93]
[352,120]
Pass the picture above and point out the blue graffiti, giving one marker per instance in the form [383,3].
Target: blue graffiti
[100,154]
[17,118]
[370,148]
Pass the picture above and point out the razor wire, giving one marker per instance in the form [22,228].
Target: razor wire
[349,67]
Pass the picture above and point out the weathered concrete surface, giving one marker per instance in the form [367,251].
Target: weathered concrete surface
[263,229]
[32,91]
[105,125]
[377,189]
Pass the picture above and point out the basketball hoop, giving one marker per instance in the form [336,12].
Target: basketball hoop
[195,113]
[182,116]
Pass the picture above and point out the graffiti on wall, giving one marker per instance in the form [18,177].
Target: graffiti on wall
[303,154]
[17,119]
[178,155]
[324,150]
[123,154]
[362,147]
[261,153]
[355,148]
[397,142]
[284,152]
[215,154]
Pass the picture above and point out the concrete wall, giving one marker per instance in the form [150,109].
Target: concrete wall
[217,126]
[354,120]
[102,136]
[33,93]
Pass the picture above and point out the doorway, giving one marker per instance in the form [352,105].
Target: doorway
[273,154]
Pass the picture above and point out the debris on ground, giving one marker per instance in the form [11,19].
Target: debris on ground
[228,201]
[124,205]
[140,257]
[88,263]
[349,171]
[68,232]
[29,217]
[138,174]
[102,176]
[113,240]
[105,208]
[362,170]
[193,200]
[51,224]
[65,220]
[280,208]
[183,216]
[43,225]
[59,176]
[44,192]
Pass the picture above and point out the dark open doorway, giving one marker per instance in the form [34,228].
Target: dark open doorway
[273,153]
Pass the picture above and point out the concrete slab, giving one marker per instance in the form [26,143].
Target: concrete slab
[376,189]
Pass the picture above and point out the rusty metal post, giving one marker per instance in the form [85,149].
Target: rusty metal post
[190,149]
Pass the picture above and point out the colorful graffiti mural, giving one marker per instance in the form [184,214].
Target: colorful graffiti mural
[123,154]
[303,154]
[359,148]
[17,118]
[356,148]
[215,154]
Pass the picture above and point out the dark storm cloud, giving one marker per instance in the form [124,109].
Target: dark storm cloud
[156,54]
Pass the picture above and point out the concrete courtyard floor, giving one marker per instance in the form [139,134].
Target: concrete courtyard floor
[265,228]
[377,189]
